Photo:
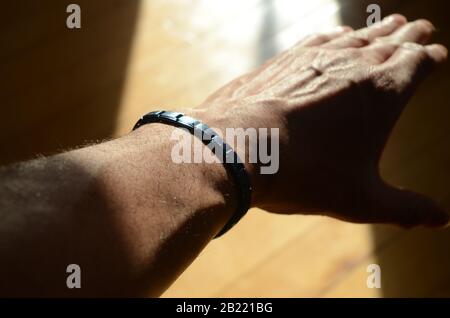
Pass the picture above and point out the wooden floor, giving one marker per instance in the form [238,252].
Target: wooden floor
[61,88]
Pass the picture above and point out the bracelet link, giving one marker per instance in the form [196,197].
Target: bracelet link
[212,140]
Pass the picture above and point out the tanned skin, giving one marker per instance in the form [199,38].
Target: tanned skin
[134,220]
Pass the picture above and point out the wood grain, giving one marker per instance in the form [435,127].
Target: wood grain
[61,88]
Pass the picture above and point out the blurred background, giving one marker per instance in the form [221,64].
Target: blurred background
[62,88]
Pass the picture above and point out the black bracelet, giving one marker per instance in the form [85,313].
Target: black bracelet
[210,138]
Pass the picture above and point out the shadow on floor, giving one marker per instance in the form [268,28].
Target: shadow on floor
[61,87]
[416,263]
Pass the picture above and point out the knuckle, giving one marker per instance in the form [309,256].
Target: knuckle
[414,47]
[385,81]
[379,40]
[389,45]
[320,37]
[394,45]
[347,28]
[359,39]
[399,19]
[418,51]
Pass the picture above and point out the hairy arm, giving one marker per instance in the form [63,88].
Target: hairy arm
[133,220]
[121,210]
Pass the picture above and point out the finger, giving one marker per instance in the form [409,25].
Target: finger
[406,208]
[437,52]
[321,38]
[411,63]
[363,37]
[419,31]
[380,51]
[384,50]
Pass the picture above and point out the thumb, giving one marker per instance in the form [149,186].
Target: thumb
[406,208]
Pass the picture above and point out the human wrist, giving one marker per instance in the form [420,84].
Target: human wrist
[221,122]
[195,186]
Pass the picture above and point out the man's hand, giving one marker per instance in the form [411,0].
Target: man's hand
[335,98]
[133,219]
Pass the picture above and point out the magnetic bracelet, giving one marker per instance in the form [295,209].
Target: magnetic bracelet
[221,149]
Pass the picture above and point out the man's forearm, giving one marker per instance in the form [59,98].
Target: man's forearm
[121,210]
[133,219]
